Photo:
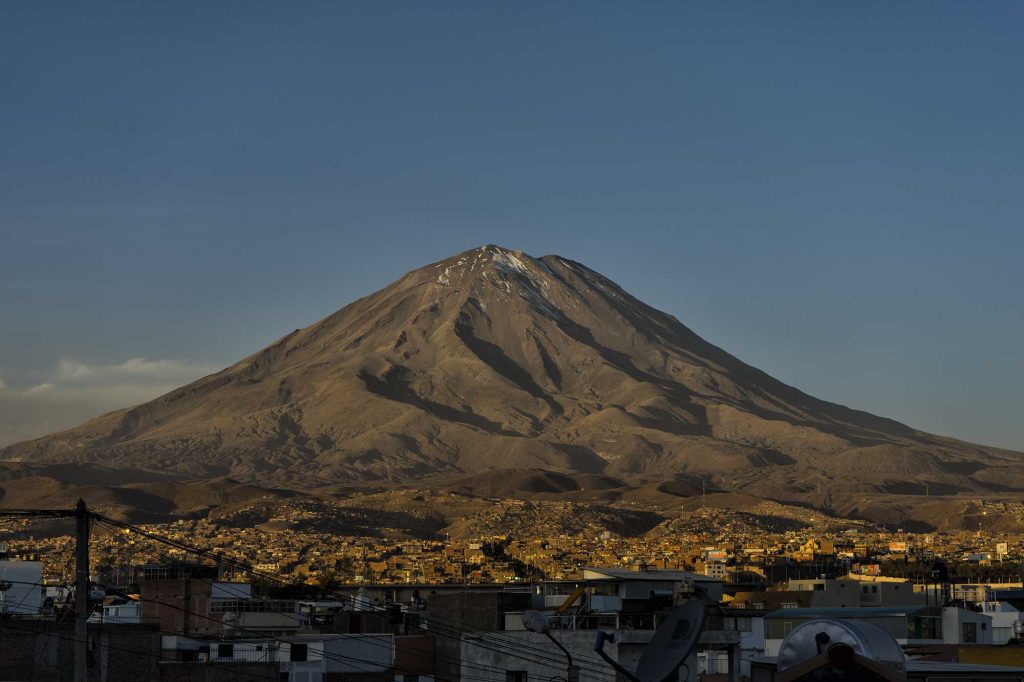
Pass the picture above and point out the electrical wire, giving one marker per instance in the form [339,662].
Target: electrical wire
[134,652]
[537,657]
[353,661]
[502,646]
[373,642]
[515,649]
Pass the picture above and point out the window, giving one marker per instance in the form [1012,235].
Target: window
[737,623]
[926,627]
[298,652]
[515,676]
[225,651]
[874,589]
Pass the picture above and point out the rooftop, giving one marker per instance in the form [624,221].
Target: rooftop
[849,612]
[650,575]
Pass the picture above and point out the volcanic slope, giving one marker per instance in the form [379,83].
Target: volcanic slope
[493,360]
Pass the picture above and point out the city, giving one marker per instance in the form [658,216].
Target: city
[511,342]
[219,602]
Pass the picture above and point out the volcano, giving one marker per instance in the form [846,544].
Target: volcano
[493,361]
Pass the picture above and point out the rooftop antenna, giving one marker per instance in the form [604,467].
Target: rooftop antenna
[672,643]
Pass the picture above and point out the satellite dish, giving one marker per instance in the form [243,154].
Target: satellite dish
[535,621]
[854,646]
[672,642]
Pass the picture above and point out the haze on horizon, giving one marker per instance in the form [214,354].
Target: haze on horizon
[830,194]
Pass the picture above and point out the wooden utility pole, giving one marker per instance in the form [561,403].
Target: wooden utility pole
[82,518]
[81,592]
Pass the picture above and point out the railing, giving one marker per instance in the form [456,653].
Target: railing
[589,621]
[713,621]
[252,606]
[239,656]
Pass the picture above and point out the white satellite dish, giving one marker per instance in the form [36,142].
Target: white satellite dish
[672,643]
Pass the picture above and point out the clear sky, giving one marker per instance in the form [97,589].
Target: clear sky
[832,193]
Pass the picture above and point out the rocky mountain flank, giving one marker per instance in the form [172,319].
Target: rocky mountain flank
[492,360]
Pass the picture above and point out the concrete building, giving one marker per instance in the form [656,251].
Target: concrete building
[849,592]
[964,626]
[303,658]
[908,625]
[44,650]
[629,604]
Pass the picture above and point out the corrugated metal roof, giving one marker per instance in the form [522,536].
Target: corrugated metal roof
[943,666]
[851,612]
[652,575]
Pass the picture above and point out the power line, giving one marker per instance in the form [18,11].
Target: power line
[512,648]
[451,659]
[509,648]
[126,622]
[338,658]
[135,652]
[329,656]
[503,646]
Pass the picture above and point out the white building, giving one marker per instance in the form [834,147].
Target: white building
[24,591]
[300,658]
[962,626]
[120,611]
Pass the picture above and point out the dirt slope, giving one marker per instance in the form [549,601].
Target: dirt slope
[494,360]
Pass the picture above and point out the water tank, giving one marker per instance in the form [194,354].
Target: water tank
[815,637]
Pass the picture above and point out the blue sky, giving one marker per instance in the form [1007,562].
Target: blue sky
[831,193]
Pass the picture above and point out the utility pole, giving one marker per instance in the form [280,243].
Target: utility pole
[82,517]
[81,592]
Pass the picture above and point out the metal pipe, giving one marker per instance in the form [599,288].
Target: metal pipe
[569,677]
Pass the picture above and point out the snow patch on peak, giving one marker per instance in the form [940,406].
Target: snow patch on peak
[444,279]
[504,264]
[509,260]
[519,261]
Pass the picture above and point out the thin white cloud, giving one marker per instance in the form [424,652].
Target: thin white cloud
[75,391]
[133,370]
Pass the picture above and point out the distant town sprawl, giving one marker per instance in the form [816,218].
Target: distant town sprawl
[288,591]
[312,542]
